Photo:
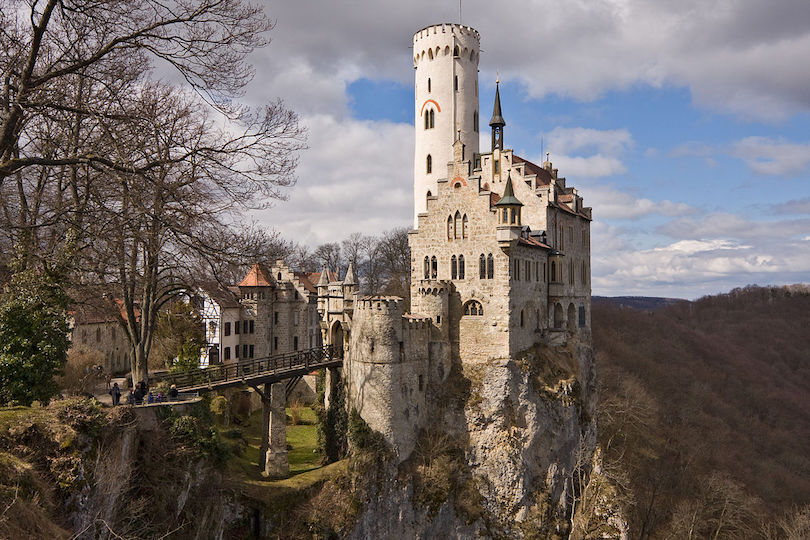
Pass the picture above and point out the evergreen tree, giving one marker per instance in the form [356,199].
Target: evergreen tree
[33,336]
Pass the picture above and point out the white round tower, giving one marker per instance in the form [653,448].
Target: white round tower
[445,61]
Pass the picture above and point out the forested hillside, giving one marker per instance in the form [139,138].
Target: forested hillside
[705,413]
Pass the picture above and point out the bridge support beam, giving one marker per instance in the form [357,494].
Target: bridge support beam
[330,386]
[273,458]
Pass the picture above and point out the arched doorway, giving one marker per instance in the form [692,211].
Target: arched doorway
[336,337]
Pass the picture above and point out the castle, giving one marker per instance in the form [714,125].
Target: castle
[500,254]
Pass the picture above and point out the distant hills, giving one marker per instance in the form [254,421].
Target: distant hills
[649,303]
[705,407]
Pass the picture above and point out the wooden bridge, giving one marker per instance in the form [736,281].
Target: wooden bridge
[288,367]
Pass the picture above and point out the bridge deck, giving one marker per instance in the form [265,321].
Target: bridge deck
[259,371]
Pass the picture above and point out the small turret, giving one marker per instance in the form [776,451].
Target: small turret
[508,208]
[350,278]
[349,288]
[323,292]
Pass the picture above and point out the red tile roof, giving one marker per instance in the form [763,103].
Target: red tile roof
[306,280]
[494,198]
[256,277]
[531,242]
[543,176]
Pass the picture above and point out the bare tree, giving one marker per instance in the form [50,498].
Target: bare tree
[146,180]
[156,231]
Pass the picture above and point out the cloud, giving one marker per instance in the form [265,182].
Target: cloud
[738,57]
[773,157]
[723,225]
[604,146]
[688,268]
[610,203]
[796,206]
[357,176]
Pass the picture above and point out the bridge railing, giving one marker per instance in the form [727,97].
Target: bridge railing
[251,368]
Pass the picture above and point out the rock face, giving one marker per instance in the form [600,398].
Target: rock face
[498,457]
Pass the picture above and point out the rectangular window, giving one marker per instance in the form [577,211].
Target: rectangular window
[545,270]
[227,329]
[295,343]
[252,326]
[244,351]
[227,353]
[295,318]
[275,343]
[275,317]
[236,351]
[528,269]
[516,270]
[250,351]
[236,327]
[244,327]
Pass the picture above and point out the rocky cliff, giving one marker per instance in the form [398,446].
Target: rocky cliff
[508,453]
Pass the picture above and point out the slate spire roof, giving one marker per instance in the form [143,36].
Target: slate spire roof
[509,198]
[497,117]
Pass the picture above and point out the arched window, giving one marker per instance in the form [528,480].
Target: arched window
[472,56]
[427,267]
[432,116]
[457,225]
[455,51]
[475,121]
[429,164]
[490,267]
[522,318]
[464,222]
[428,85]
[553,272]
[430,54]
[455,83]
[427,120]
[434,267]
[571,272]
[482,267]
[447,50]
[461,267]
[453,267]
[584,274]
[427,197]
[449,227]
[473,308]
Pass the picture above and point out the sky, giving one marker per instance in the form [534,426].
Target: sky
[684,124]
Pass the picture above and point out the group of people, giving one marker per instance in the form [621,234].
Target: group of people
[141,394]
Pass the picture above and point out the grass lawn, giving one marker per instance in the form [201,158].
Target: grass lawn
[302,445]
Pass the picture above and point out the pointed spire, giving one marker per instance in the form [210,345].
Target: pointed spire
[350,278]
[324,280]
[509,198]
[497,117]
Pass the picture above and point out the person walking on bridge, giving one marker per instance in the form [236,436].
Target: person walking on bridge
[115,392]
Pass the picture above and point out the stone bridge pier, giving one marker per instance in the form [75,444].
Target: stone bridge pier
[273,457]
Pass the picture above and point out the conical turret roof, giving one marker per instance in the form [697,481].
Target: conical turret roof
[509,198]
[497,117]
[350,278]
[324,280]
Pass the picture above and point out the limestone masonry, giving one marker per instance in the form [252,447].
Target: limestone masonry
[500,262]
[500,255]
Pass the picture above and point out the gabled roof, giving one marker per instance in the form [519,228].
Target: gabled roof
[543,176]
[307,280]
[256,277]
[223,296]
